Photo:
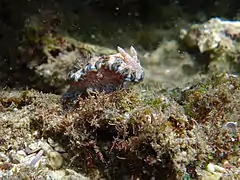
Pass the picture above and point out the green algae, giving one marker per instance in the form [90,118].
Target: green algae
[134,134]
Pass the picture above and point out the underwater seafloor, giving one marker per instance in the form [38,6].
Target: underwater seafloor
[181,122]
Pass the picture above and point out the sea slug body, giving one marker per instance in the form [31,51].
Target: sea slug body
[107,73]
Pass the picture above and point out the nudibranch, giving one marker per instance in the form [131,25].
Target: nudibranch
[107,73]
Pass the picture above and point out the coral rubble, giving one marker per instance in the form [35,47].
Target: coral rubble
[218,39]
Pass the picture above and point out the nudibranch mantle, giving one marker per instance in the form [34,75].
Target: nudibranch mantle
[107,73]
